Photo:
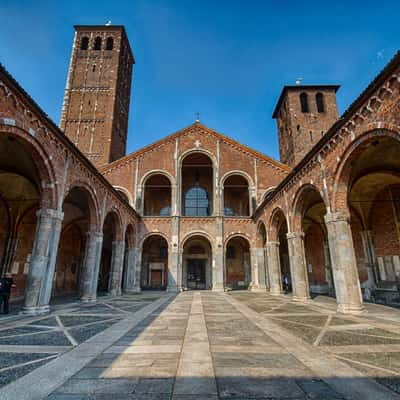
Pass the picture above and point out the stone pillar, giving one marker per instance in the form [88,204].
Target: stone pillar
[43,262]
[369,251]
[344,265]
[174,265]
[218,258]
[259,255]
[130,255]
[117,265]
[138,270]
[298,266]
[274,269]
[91,266]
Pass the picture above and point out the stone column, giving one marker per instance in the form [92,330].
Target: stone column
[218,258]
[259,255]
[344,265]
[130,255]
[91,266]
[43,262]
[274,269]
[174,265]
[298,266]
[369,251]
[138,270]
[117,264]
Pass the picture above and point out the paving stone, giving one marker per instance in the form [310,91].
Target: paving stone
[21,330]
[49,321]
[54,337]
[349,338]
[85,333]
[73,320]
[318,390]
[9,359]
[155,385]
[89,386]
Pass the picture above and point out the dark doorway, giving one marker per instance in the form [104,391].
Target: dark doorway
[196,273]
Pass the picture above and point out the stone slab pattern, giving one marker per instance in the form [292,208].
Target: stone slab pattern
[28,344]
[205,345]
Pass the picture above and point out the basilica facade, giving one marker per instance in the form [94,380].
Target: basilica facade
[197,209]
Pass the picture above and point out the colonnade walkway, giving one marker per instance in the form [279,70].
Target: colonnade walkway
[202,345]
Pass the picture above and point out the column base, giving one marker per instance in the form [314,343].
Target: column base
[135,290]
[173,289]
[275,291]
[35,310]
[301,299]
[88,299]
[258,288]
[218,287]
[351,309]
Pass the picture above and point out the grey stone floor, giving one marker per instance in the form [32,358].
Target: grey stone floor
[204,345]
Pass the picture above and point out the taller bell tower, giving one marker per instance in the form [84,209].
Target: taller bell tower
[97,95]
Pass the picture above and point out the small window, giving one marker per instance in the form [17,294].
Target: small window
[85,43]
[304,102]
[94,68]
[311,138]
[319,98]
[109,43]
[97,43]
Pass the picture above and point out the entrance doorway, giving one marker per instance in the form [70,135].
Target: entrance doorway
[196,273]
[196,262]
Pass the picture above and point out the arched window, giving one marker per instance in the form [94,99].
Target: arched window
[319,98]
[85,43]
[304,102]
[196,202]
[109,43]
[97,43]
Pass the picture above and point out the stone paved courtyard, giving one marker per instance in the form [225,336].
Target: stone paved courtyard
[202,345]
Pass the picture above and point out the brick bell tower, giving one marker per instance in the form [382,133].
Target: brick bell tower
[96,101]
[304,113]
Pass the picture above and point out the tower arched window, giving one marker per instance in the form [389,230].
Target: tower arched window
[97,43]
[319,98]
[197,203]
[110,43]
[85,43]
[304,102]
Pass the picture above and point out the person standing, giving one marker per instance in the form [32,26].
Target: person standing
[6,283]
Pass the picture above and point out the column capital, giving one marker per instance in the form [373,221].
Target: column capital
[50,213]
[96,234]
[342,215]
[294,235]
[272,243]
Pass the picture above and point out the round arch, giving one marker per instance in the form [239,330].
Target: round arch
[125,192]
[245,175]
[298,204]
[192,234]
[277,217]
[194,150]
[154,233]
[238,274]
[342,173]
[153,172]
[115,216]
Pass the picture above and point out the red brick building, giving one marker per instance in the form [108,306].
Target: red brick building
[197,210]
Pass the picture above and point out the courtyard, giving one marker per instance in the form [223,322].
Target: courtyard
[201,345]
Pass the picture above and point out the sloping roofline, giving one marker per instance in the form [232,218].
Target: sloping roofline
[286,88]
[175,135]
[351,110]
[16,87]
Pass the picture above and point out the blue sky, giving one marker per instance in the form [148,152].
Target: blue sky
[226,59]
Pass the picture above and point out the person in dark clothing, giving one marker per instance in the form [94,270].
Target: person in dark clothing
[6,283]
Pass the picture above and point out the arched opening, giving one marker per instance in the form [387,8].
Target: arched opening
[77,208]
[372,178]
[197,262]
[85,43]
[20,197]
[237,263]
[304,102]
[109,43]
[236,196]
[319,98]
[197,185]
[154,263]
[97,43]
[157,196]
[278,234]
[311,210]
[109,237]
[124,194]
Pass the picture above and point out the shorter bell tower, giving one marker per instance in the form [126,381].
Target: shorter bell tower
[304,113]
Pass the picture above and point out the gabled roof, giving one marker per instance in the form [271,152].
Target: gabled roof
[189,129]
[288,88]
